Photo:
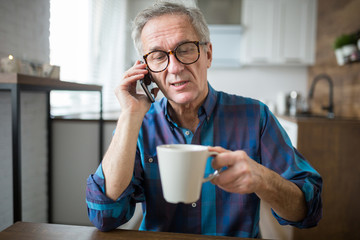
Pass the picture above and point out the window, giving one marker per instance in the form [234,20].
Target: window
[87,41]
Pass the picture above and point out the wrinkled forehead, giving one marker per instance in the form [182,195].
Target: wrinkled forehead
[167,31]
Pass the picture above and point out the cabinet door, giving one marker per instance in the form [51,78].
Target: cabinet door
[278,32]
[258,21]
[297,31]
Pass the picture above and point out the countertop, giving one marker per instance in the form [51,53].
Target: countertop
[317,118]
[46,83]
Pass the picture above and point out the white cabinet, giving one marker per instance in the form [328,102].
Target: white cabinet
[278,32]
[258,31]
[223,18]
[297,31]
[225,55]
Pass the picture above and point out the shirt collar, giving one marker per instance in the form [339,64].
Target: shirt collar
[207,107]
[210,101]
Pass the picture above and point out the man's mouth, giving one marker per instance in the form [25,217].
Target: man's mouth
[179,84]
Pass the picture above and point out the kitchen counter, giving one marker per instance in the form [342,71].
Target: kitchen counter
[317,118]
[36,83]
[13,88]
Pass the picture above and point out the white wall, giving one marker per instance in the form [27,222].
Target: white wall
[261,83]
[6,197]
[24,33]
[75,157]
[33,158]
[24,29]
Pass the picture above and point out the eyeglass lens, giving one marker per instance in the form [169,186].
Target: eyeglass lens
[186,53]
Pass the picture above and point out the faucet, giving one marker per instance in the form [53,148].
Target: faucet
[330,107]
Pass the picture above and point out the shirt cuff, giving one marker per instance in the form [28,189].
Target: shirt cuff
[103,212]
[313,204]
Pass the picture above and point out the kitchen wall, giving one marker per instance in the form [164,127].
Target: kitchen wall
[24,29]
[24,33]
[334,19]
[261,82]
[75,156]
[6,196]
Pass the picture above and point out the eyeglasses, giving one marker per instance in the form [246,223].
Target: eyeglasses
[187,53]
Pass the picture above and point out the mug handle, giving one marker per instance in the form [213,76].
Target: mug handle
[215,173]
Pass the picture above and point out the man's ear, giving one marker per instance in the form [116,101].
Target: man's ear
[209,54]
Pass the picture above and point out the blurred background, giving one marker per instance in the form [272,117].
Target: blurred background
[300,57]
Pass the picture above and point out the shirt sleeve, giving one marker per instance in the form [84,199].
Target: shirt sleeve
[105,213]
[278,154]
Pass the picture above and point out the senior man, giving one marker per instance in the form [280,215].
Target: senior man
[262,164]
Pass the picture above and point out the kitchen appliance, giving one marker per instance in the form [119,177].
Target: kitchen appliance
[294,102]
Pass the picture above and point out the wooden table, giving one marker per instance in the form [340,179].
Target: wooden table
[42,231]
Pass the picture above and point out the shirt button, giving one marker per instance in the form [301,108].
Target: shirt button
[187,133]
[151,160]
[193,204]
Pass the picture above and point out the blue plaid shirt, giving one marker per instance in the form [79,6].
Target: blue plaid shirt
[229,121]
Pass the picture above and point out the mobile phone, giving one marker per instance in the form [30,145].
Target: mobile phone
[146,84]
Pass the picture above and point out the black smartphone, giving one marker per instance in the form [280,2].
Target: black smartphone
[145,84]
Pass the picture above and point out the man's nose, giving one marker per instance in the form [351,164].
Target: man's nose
[174,65]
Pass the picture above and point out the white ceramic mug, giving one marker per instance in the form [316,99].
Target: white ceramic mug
[182,168]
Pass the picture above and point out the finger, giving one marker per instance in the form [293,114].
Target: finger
[133,75]
[235,189]
[224,181]
[223,159]
[128,84]
[226,177]
[217,149]
[134,71]
[139,64]
[230,182]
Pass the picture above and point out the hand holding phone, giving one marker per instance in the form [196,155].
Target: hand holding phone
[146,84]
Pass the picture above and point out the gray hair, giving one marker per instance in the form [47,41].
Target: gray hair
[162,8]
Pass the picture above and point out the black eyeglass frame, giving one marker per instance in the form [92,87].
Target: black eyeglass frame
[197,43]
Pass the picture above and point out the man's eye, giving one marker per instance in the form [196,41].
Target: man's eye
[158,56]
[187,49]
[183,51]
